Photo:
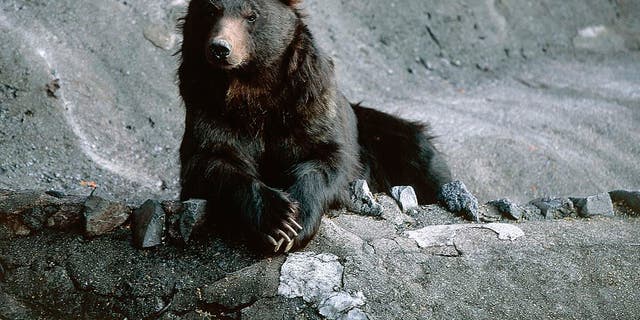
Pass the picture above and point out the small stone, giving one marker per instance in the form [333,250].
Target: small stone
[193,215]
[362,200]
[406,197]
[508,208]
[102,216]
[338,304]
[148,225]
[598,205]
[456,198]
[555,208]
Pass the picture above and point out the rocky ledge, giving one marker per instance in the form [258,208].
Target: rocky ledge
[64,257]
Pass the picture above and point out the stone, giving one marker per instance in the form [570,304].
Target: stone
[148,225]
[630,200]
[102,216]
[508,209]
[362,200]
[338,304]
[456,198]
[310,276]
[355,314]
[192,216]
[555,208]
[597,205]
[406,197]
[317,279]
[444,235]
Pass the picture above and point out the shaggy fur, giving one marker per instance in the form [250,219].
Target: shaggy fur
[269,140]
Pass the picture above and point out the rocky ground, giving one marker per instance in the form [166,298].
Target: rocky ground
[528,100]
[64,257]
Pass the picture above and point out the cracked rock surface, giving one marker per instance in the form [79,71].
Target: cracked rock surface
[430,265]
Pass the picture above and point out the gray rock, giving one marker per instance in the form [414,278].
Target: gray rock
[310,276]
[102,216]
[456,198]
[508,208]
[362,200]
[317,278]
[406,197]
[192,216]
[597,205]
[628,200]
[355,314]
[555,208]
[338,304]
[148,225]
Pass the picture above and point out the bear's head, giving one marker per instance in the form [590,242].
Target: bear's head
[237,34]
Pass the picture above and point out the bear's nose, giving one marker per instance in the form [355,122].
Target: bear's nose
[220,48]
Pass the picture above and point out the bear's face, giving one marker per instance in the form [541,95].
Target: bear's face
[234,34]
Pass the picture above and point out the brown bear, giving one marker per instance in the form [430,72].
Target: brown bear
[269,140]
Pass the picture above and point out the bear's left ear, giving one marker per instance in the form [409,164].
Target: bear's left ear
[292,3]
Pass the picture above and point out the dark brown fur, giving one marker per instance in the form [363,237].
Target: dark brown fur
[268,135]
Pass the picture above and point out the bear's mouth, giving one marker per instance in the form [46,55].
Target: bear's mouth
[223,63]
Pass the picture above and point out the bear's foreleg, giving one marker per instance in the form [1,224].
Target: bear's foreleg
[232,187]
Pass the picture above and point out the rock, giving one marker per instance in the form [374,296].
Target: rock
[508,208]
[102,216]
[24,212]
[192,216]
[310,276]
[362,200]
[630,200]
[444,235]
[317,279]
[355,314]
[406,197]
[598,205]
[555,208]
[148,225]
[338,304]
[456,198]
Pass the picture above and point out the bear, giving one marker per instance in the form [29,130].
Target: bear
[270,142]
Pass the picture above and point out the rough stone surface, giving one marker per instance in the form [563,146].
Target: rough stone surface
[148,225]
[358,267]
[508,208]
[406,197]
[555,208]
[597,205]
[362,200]
[192,216]
[102,215]
[317,278]
[457,198]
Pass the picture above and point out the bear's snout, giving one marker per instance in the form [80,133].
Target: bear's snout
[220,49]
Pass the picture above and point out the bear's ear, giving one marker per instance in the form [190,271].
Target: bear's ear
[292,3]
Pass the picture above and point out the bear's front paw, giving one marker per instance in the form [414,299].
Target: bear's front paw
[279,227]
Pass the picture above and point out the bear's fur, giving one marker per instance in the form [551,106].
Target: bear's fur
[269,140]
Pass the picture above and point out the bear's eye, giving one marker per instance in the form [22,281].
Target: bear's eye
[252,17]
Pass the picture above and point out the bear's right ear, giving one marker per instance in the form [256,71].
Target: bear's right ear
[292,3]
